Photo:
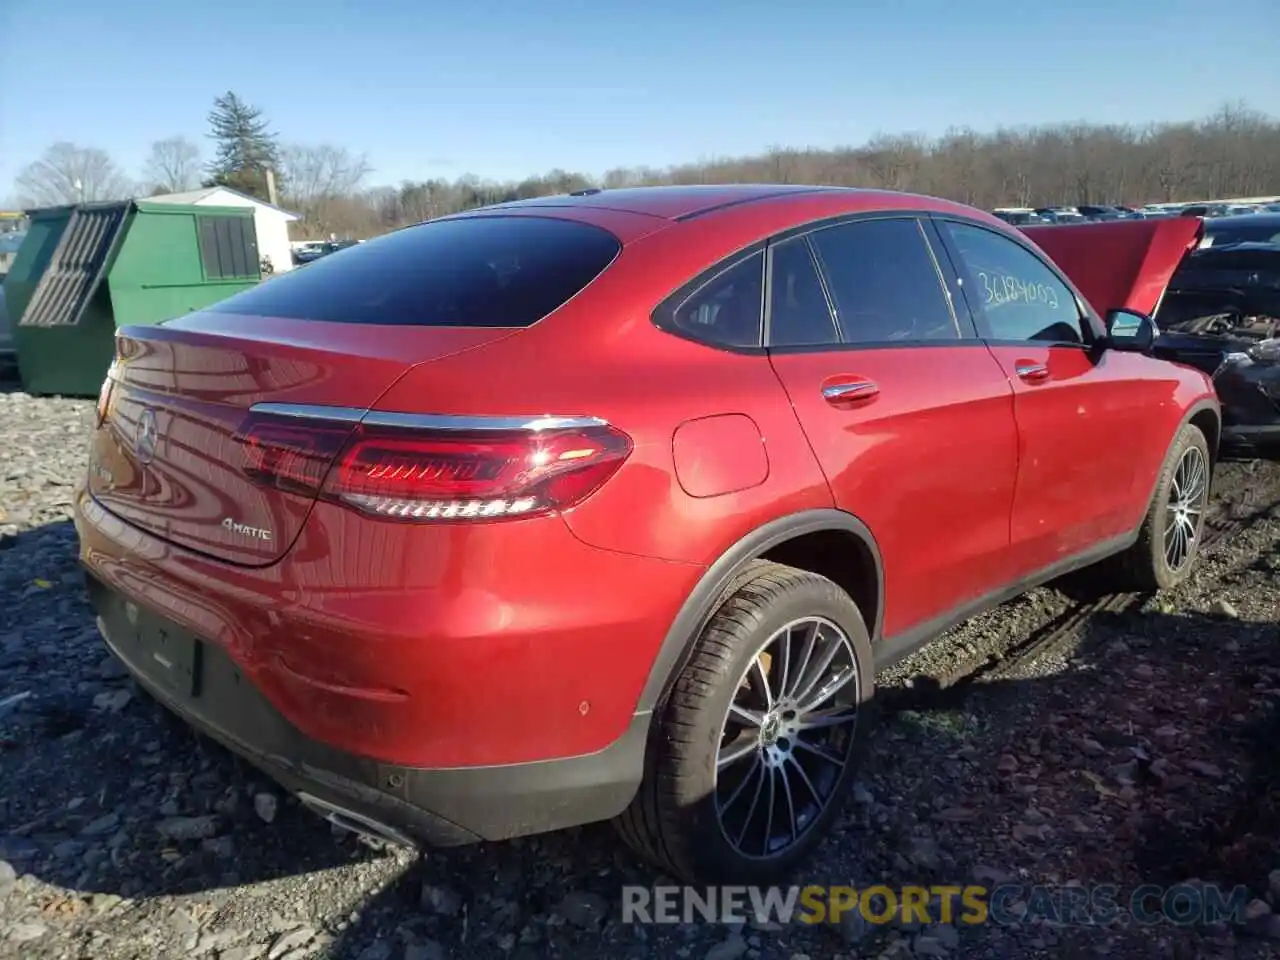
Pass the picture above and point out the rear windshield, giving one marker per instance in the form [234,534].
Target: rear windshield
[471,272]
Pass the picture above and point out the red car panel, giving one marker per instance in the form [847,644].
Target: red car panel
[1079,429]
[385,639]
[952,405]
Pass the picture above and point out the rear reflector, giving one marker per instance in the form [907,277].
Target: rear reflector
[104,395]
[433,473]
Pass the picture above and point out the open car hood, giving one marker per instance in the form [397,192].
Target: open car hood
[1120,263]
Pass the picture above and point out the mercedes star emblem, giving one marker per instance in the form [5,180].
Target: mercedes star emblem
[148,436]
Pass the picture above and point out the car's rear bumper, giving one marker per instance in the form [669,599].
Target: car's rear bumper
[446,807]
[491,646]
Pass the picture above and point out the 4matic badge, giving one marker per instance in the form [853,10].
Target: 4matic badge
[255,533]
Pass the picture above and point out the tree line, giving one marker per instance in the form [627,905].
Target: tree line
[1233,152]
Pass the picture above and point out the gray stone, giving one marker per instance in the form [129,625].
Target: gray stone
[378,950]
[101,826]
[188,828]
[27,931]
[288,942]
[265,805]
[584,910]
[440,900]
[731,948]
[424,950]
[8,877]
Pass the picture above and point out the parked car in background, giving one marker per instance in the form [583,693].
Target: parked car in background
[1222,314]
[10,241]
[315,251]
[8,357]
[1203,210]
[1250,228]
[1100,212]
[1060,214]
[1019,217]
[612,506]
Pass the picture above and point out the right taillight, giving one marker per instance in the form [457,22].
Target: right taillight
[433,473]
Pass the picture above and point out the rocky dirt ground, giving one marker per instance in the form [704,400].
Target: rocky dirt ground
[1127,741]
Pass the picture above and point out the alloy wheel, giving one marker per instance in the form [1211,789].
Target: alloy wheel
[1184,516]
[786,738]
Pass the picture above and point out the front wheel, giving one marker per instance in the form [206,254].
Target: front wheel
[1168,544]
[756,748]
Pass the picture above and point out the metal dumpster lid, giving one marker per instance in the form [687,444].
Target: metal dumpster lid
[77,265]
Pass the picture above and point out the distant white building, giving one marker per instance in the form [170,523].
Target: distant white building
[270,222]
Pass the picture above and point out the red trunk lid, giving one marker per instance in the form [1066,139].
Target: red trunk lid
[1120,263]
[166,458]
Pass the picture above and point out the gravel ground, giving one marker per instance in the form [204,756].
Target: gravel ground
[1126,745]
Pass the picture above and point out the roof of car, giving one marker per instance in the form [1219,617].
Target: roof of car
[1243,220]
[674,202]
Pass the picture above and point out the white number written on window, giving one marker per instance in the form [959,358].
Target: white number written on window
[999,289]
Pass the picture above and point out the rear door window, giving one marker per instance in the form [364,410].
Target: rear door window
[469,272]
[885,282]
[799,315]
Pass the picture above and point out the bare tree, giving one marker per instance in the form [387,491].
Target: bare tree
[69,173]
[173,165]
[321,172]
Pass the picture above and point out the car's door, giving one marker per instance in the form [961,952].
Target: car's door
[908,414]
[1079,408]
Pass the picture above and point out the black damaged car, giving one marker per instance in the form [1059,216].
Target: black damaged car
[1221,313]
[1214,297]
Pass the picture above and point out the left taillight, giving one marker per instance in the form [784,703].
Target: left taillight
[450,470]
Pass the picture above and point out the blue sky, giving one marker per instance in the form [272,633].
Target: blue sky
[502,90]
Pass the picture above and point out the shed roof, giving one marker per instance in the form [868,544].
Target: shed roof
[204,193]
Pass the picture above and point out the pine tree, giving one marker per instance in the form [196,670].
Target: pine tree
[246,148]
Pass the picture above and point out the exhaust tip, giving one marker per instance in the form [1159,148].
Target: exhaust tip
[356,823]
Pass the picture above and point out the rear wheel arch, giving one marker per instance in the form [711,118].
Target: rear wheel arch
[832,543]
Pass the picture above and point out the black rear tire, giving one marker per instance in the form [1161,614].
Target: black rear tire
[675,820]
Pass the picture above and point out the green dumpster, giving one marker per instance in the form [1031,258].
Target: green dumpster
[85,270]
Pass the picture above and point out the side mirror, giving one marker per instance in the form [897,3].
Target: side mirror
[1130,330]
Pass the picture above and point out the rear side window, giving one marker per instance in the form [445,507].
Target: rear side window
[471,272]
[727,309]
[885,282]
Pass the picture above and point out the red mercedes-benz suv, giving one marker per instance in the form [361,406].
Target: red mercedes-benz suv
[612,505]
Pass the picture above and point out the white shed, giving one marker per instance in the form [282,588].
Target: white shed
[270,223]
